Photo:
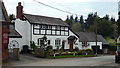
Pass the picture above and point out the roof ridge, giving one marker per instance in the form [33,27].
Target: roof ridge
[41,16]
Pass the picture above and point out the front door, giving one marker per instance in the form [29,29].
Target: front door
[71,45]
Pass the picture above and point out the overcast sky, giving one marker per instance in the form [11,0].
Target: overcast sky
[79,7]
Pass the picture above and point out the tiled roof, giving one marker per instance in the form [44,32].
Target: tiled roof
[37,19]
[3,13]
[5,19]
[13,33]
[90,37]
[100,37]
[87,36]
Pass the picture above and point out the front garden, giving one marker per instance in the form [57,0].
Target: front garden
[47,51]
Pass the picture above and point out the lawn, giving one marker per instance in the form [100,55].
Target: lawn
[71,56]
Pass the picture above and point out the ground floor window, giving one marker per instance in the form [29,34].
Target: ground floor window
[84,44]
[57,42]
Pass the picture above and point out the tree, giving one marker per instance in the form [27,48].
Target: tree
[81,20]
[104,27]
[76,27]
[44,41]
[76,19]
[12,17]
[71,20]
[112,20]
[82,23]
[106,17]
[89,20]
[67,20]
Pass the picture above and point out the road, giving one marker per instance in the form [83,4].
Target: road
[100,60]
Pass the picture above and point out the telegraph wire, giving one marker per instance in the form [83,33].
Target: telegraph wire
[56,8]
[65,6]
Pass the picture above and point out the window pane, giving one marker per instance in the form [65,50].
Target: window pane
[53,32]
[49,27]
[53,27]
[36,26]
[43,27]
[36,31]
[57,42]
[48,31]
[62,32]
[58,27]
[66,28]
[66,33]
[42,31]
[58,32]
[62,28]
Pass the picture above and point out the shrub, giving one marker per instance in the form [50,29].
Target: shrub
[76,49]
[89,51]
[32,45]
[112,48]
[81,52]
[49,50]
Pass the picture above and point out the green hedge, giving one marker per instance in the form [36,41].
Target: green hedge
[112,48]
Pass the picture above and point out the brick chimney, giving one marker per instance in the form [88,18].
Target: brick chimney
[19,11]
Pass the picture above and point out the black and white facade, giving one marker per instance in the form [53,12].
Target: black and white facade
[34,27]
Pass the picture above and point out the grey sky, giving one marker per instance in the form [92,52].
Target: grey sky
[79,7]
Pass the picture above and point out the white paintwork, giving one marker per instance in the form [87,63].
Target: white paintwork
[19,40]
[53,37]
[90,44]
[24,28]
[118,39]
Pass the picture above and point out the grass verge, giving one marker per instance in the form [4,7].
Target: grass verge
[71,56]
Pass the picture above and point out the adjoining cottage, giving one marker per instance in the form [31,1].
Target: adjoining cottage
[6,32]
[87,40]
[34,27]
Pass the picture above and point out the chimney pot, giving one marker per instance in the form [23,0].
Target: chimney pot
[19,11]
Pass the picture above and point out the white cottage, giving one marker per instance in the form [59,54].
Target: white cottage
[33,27]
[88,41]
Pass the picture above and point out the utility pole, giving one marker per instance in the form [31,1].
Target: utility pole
[96,38]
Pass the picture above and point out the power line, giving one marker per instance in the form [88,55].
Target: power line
[65,6]
[56,8]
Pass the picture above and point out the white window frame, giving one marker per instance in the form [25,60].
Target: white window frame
[57,42]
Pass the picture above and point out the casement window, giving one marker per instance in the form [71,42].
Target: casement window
[43,27]
[57,42]
[50,30]
[84,43]
[49,27]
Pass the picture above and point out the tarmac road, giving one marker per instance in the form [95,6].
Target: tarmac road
[100,60]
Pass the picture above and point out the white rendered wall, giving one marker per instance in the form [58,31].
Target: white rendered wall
[118,39]
[90,44]
[94,44]
[19,40]
[25,30]
[52,39]
[23,27]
